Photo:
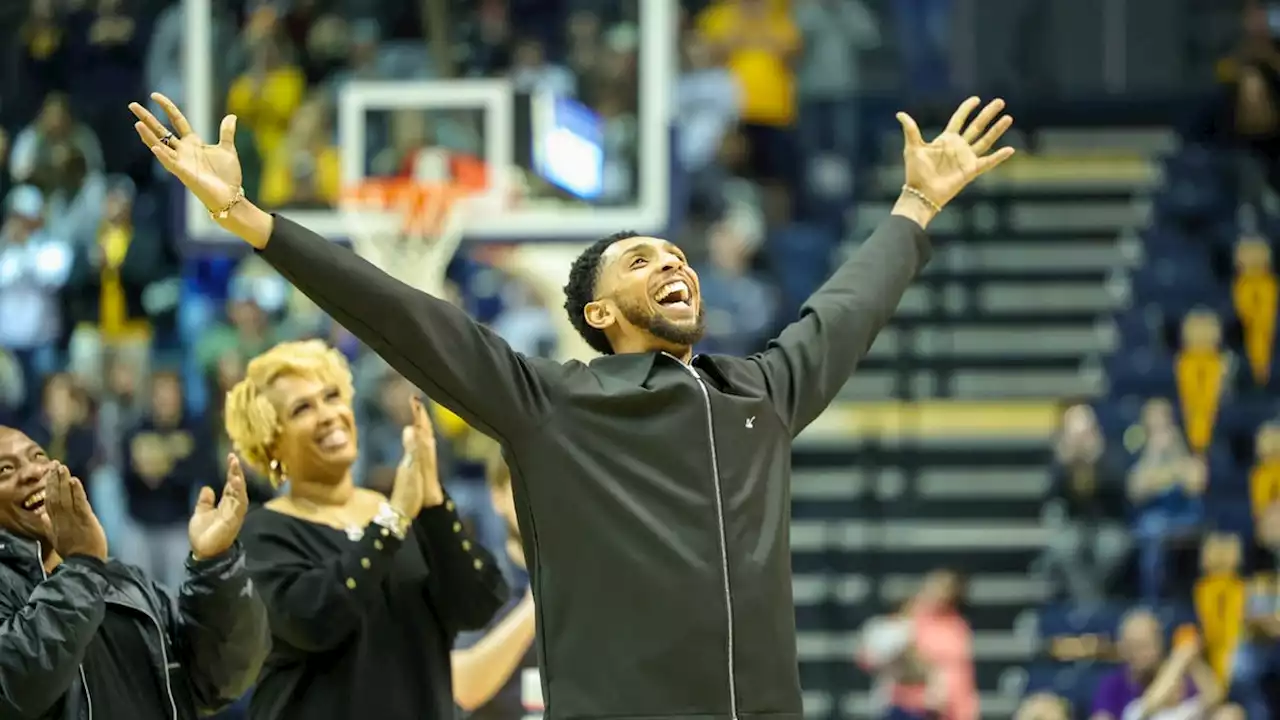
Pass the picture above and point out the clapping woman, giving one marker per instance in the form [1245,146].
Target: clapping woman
[365,593]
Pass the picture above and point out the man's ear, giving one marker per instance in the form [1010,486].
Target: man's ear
[599,314]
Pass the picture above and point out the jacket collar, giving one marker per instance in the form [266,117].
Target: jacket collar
[636,368]
[631,367]
[23,554]
[11,543]
[19,552]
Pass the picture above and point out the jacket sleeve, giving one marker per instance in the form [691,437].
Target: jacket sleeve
[465,581]
[814,356]
[459,363]
[43,641]
[222,626]
[316,605]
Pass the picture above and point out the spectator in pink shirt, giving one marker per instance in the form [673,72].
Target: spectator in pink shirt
[923,657]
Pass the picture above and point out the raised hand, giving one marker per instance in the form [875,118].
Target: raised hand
[211,172]
[424,460]
[73,528]
[417,476]
[214,527]
[940,169]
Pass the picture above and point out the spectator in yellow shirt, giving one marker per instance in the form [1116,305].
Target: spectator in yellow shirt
[759,43]
[266,96]
[305,169]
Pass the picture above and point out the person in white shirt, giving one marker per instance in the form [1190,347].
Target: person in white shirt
[34,266]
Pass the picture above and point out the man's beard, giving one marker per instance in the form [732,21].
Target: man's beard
[657,325]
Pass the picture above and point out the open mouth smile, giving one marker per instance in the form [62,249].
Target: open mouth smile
[334,439]
[674,294]
[34,501]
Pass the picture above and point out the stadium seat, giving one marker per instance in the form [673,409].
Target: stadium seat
[1170,241]
[1076,682]
[1168,280]
[1140,372]
[1231,516]
[1208,164]
[1228,480]
[1199,186]
[1117,415]
[1194,202]
[1174,615]
[1138,328]
[1046,676]
[1064,619]
[1239,419]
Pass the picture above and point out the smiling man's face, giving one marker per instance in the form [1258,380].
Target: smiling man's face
[647,293]
[23,465]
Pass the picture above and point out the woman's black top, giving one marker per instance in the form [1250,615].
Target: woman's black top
[363,623]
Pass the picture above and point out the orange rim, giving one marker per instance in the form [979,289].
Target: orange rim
[425,206]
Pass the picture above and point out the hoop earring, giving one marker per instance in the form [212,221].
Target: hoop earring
[278,473]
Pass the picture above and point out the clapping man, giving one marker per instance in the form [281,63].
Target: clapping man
[82,636]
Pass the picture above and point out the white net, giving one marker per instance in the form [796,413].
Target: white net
[410,229]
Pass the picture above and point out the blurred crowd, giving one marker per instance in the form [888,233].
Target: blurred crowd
[1165,503]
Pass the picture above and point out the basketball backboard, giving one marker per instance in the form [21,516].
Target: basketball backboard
[487,109]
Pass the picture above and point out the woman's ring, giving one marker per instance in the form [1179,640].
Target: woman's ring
[167,140]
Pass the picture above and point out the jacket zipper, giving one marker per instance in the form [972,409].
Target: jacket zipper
[84,681]
[164,664]
[164,655]
[724,538]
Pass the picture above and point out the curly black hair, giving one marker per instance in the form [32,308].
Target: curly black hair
[581,289]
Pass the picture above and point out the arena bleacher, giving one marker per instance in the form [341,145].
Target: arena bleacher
[1202,271]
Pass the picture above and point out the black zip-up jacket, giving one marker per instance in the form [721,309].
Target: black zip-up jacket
[653,496]
[206,648]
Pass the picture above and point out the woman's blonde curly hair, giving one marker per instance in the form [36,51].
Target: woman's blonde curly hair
[252,421]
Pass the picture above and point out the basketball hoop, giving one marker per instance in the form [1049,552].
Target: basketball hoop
[425,209]
[411,227]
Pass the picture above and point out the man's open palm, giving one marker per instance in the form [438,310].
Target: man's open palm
[214,526]
[210,172]
[942,168]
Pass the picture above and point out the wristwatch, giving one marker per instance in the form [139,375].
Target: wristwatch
[392,521]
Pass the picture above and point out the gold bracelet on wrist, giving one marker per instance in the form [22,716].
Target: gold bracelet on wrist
[922,198]
[226,209]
